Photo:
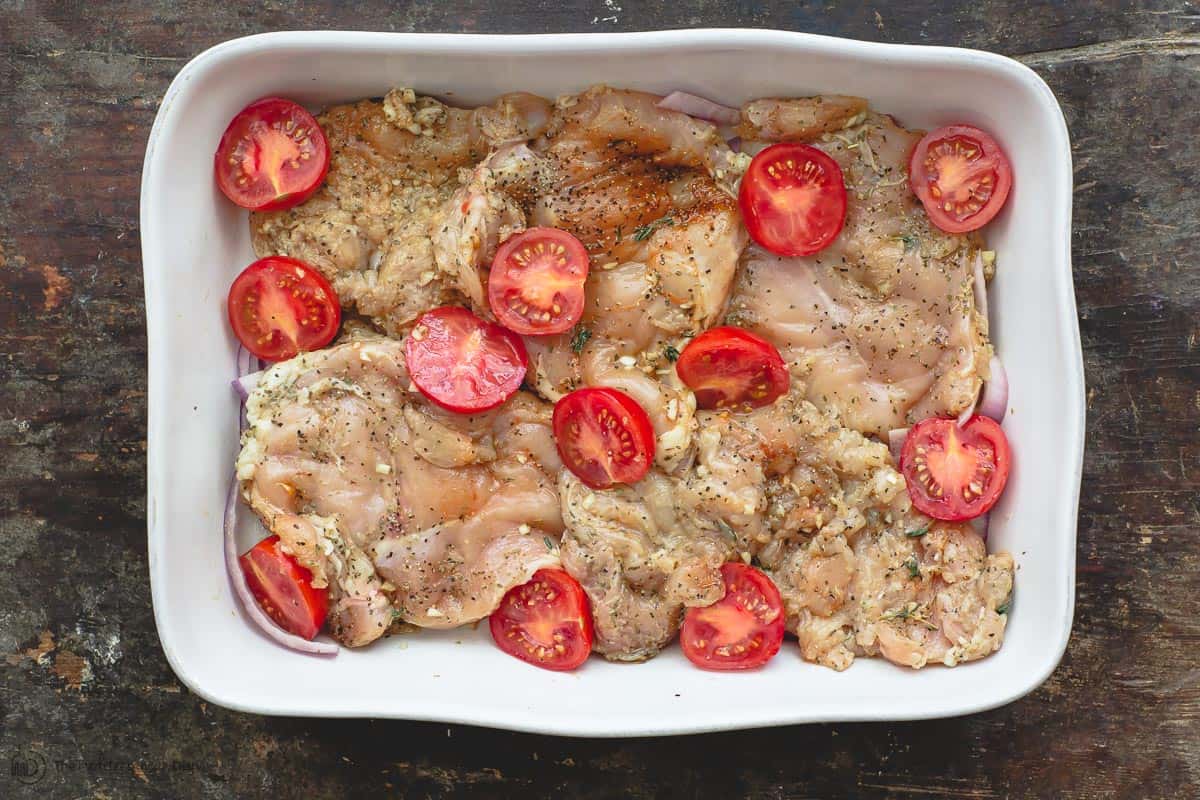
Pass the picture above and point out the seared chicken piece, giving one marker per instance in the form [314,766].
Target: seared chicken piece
[394,167]
[647,192]
[392,503]
[639,184]
[881,326]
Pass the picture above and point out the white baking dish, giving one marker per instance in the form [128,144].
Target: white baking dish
[194,242]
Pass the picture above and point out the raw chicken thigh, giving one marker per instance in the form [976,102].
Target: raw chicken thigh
[404,511]
[642,558]
[394,170]
[821,508]
[881,326]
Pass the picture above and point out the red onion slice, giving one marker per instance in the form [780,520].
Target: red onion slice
[735,144]
[981,524]
[967,412]
[896,438]
[249,604]
[245,361]
[245,384]
[701,108]
[994,403]
[981,298]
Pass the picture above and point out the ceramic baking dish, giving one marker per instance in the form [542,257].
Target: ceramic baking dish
[194,243]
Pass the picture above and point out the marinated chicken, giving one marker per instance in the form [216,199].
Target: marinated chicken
[410,513]
[881,326]
[394,171]
[825,513]
[648,193]
[406,512]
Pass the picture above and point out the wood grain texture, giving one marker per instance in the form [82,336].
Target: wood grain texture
[85,693]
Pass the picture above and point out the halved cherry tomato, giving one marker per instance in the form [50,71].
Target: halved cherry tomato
[280,306]
[961,176]
[955,473]
[536,283]
[603,436]
[273,155]
[284,588]
[728,367]
[793,199]
[742,630]
[463,363]
[546,622]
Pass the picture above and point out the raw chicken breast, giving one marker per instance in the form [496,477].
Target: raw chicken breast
[881,326]
[404,511]
[394,170]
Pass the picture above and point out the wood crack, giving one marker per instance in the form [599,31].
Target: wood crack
[1169,44]
[105,53]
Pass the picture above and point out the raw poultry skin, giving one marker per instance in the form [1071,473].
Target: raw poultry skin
[409,513]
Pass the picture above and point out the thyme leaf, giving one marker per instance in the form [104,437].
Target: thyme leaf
[1004,607]
[643,232]
[580,339]
[914,569]
[909,611]
[671,353]
[918,532]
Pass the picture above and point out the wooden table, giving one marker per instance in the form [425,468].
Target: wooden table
[90,707]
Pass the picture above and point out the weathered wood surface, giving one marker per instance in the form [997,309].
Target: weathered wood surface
[85,693]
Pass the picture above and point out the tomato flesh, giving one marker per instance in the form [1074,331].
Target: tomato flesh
[955,473]
[272,156]
[546,622]
[793,199]
[603,436]
[961,176]
[284,589]
[536,283]
[280,306]
[463,363]
[742,630]
[729,367]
